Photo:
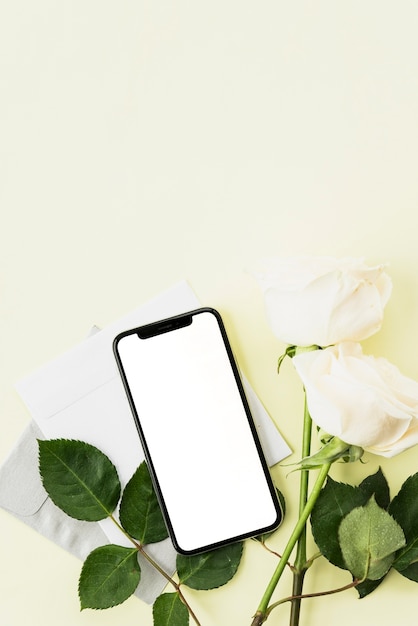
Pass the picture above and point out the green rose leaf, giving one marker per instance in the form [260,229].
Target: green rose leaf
[376,485]
[410,572]
[109,576]
[369,538]
[211,569]
[140,513]
[404,509]
[367,586]
[79,478]
[169,610]
[334,502]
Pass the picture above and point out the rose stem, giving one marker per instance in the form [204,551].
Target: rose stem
[300,569]
[261,614]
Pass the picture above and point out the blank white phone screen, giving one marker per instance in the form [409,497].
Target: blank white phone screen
[197,433]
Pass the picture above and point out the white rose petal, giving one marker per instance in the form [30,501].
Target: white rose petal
[322,300]
[363,400]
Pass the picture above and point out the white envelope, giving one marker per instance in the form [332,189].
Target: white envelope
[80,395]
[22,494]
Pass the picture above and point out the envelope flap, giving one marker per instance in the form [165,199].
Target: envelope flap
[91,364]
[21,490]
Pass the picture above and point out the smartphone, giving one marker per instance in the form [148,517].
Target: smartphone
[198,436]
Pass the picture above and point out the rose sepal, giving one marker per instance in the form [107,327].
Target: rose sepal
[292,351]
[332,451]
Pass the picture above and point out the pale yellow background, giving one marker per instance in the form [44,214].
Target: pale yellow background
[142,142]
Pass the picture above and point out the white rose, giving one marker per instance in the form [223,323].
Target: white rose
[363,400]
[322,300]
